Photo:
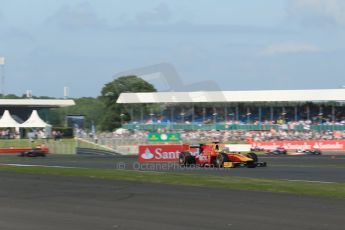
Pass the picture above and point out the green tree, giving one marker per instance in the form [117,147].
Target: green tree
[114,113]
[10,96]
[54,116]
[91,108]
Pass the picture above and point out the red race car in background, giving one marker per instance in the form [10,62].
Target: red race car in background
[35,152]
[278,151]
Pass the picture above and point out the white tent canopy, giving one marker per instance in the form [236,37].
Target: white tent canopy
[34,121]
[7,121]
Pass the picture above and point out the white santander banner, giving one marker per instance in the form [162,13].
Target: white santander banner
[159,153]
[162,152]
[294,145]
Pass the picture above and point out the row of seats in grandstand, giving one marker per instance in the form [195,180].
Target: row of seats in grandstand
[241,119]
[231,127]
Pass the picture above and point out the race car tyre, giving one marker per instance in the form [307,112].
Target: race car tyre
[253,156]
[220,159]
[182,159]
[191,159]
[214,162]
[186,159]
[317,152]
[254,163]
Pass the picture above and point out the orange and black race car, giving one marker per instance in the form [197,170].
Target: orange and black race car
[212,155]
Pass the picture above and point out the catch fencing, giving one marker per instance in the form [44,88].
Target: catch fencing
[60,147]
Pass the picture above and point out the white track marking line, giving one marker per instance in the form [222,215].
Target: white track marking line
[46,166]
[314,181]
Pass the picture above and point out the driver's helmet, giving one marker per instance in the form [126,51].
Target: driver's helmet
[225,150]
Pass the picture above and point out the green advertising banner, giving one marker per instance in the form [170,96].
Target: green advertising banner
[164,137]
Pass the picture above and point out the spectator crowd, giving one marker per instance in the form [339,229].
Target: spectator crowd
[226,136]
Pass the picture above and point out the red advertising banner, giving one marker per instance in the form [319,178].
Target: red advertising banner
[19,150]
[160,153]
[307,145]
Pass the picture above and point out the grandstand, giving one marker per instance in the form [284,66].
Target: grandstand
[22,108]
[321,109]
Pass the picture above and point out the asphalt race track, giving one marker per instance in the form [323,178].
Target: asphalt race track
[31,202]
[48,202]
[326,168]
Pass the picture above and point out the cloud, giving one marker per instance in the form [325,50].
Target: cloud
[81,16]
[318,12]
[14,33]
[290,48]
[187,28]
[160,14]
[161,19]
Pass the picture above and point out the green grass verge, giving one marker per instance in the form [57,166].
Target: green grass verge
[336,190]
[20,143]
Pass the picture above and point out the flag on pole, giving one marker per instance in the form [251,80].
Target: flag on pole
[2,61]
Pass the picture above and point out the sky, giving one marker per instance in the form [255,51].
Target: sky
[223,44]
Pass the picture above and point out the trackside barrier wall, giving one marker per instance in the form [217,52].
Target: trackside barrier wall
[170,152]
[57,147]
[128,149]
[114,142]
[338,145]
[91,151]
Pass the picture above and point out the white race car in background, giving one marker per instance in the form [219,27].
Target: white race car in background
[307,152]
